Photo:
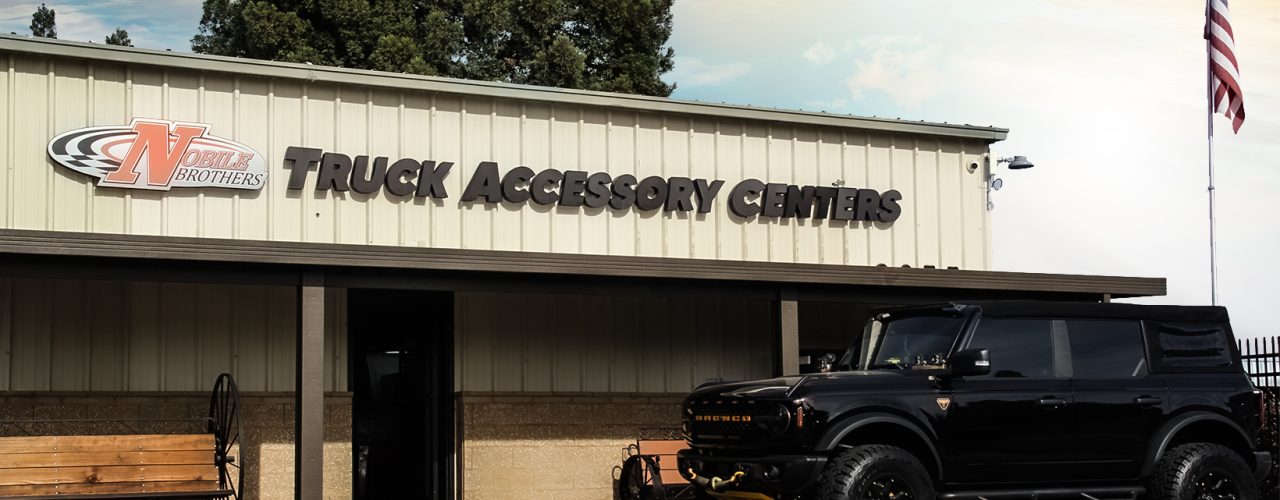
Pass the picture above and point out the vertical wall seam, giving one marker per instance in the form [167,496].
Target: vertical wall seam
[844,175]
[164,114]
[200,117]
[492,209]
[795,222]
[462,162]
[91,120]
[579,213]
[608,224]
[335,203]
[51,102]
[964,212]
[524,216]
[235,136]
[431,146]
[304,210]
[893,231]
[693,218]
[820,227]
[768,167]
[742,174]
[368,151]
[715,175]
[915,198]
[400,207]
[664,222]
[866,181]
[636,221]
[937,173]
[12,140]
[551,162]
[270,150]
[128,112]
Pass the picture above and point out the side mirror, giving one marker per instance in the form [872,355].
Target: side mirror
[970,362]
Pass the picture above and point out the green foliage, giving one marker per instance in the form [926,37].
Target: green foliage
[43,24]
[610,45]
[120,37]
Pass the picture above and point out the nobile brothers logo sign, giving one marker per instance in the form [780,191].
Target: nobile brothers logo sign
[159,155]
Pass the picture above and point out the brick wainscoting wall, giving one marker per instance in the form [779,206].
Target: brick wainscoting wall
[555,446]
[266,454]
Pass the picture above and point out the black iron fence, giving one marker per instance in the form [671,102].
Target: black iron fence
[1261,358]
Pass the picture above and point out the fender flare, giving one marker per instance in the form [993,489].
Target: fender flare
[842,428]
[1160,442]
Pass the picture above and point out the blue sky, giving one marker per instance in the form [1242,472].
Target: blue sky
[1107,98]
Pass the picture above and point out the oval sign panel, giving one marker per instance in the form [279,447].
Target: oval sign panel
[158,155]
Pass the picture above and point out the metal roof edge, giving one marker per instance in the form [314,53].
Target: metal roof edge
[180,248]
[335,75]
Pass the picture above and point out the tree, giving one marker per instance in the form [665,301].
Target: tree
[610,45]
[120,37]
[43,24]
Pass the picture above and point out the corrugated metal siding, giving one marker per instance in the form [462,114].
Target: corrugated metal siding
[944,222]
[80,335]
[589,343]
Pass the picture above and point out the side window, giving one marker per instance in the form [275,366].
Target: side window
[1107,349]
[1184,344]
[1019,347]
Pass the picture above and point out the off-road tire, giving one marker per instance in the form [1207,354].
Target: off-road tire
[1179,468]
[850,474]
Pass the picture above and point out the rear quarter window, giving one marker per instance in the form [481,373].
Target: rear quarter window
[1192,346]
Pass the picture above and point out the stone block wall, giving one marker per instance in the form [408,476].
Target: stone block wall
[266,453]
[536,446]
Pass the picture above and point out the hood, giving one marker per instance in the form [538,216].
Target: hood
[786,387]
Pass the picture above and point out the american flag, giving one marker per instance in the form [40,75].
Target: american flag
[1224,73]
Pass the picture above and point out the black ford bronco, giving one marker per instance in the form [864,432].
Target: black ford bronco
[995,400]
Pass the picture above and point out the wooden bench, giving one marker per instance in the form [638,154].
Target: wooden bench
[165,465]
[664,453]
[129,466]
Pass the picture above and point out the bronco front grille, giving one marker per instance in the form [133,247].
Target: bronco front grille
[733,420]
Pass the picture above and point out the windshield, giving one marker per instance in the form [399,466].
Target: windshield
[914,342]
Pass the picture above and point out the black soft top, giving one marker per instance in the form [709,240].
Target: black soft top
[1099,310]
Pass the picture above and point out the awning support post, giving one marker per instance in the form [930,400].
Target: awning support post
[308,444]
[788,340]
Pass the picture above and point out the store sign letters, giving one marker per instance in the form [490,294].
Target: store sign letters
[409,177]
[159,155]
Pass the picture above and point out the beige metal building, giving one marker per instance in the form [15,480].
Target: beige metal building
[484,329]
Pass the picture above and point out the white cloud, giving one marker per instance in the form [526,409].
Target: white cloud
[819,53]
[692,72]
[827,105]
[907,77]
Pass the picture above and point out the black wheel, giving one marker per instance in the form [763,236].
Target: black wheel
[224,424]
[875,472]
[1202,471]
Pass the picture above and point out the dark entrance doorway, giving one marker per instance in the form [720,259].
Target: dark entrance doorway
[401,355]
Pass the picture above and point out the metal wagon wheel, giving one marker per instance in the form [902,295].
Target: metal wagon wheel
[639,480]
[224,424]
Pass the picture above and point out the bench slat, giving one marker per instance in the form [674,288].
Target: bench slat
[139,442]
[86,458]
[108,474]
[661,447]
[108,488]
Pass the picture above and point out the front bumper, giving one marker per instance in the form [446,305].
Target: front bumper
[771,474]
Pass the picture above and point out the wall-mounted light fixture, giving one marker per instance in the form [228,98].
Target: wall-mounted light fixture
[995,183]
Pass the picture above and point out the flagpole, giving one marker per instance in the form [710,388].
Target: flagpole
[1213,246]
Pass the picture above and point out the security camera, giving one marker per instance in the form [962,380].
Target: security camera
[973,167]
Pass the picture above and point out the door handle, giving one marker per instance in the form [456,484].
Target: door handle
[1147,400]
[1052,401]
